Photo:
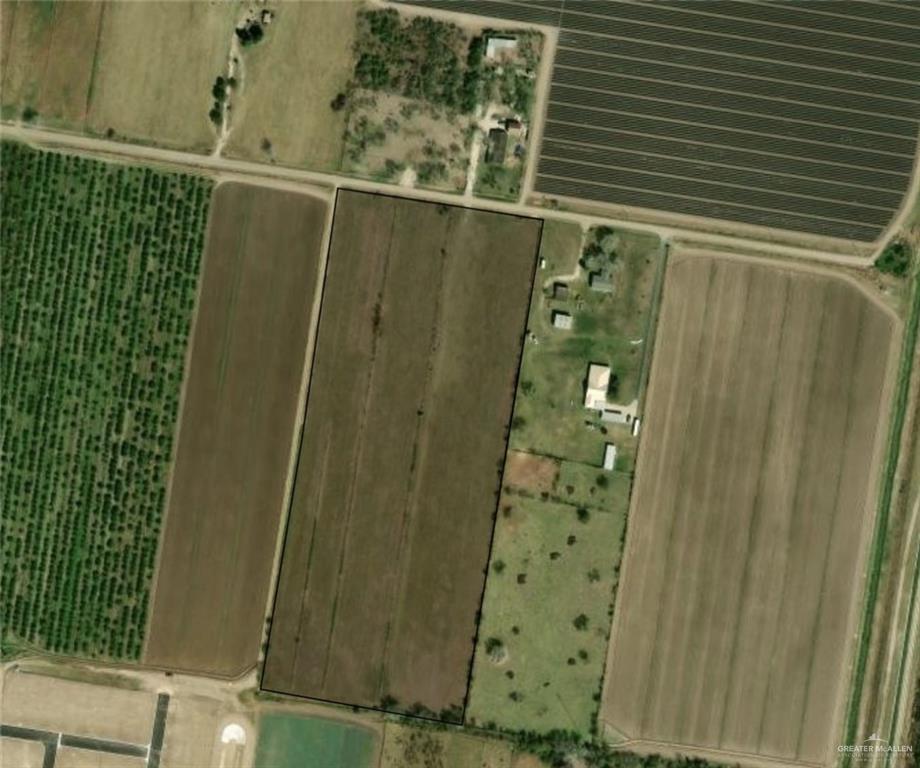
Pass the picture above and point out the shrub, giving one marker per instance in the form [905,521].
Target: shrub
[895,259]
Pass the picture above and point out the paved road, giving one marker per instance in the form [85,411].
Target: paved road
[323,183]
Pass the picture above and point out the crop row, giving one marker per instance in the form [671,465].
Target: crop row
[749,160]
[603,70]
[677,202]
[608,16]
[100,271]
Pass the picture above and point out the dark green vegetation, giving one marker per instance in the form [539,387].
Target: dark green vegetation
[286,741]
[420,58]
[556,749]
[100,273]
[895,259]
[500,182]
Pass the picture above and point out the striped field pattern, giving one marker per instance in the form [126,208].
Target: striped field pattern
[799,116]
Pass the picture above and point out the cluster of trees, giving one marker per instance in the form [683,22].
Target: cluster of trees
[100,270]
[250,33]
[563,749]
[220,92]
[895,259]
[420,58]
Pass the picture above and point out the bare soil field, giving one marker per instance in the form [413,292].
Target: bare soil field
[21,753]
[289,81]
[753,501]
[142,70]
[71,757]
[419,341]
[52,704]
[236,430]
[531,473]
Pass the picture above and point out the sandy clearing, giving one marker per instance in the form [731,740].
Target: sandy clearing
[51,704]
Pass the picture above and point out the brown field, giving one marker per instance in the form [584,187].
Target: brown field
[422,323]
[529,472]
[289,81]
[237,429]
[751,513]
[143,70]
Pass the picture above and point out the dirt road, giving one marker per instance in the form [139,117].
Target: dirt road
[304,181]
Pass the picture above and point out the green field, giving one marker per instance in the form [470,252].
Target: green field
[538,663]
[609,328]
[100,273]
[287,741]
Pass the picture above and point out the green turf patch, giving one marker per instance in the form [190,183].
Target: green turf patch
[287,741]
[545,621]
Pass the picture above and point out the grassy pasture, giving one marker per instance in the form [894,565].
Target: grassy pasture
[549,567]
[100,273]
[288,741]
[752,509]
[398,475]
[140,70]
[234,445]
[289,81]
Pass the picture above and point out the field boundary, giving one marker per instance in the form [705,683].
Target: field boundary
[298,433]
[328,242]
[297,430]
[501,476]
[876,553]
[874,455]
[180,413]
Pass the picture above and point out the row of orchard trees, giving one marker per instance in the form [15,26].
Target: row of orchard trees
[100,271]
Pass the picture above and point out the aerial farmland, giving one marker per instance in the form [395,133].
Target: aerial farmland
[401,454]
[459,384]
[259,282]
[755,487]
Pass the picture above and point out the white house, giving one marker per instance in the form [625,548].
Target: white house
[596,391]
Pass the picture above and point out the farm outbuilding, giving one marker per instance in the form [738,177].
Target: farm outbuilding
[497,147]
[562,320]
[500,44]
[610,456]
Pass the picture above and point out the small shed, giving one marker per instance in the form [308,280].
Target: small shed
[562,320]
[497,146]
[600,281]
[496,45]
[610,456]
[561,291]
[615,416]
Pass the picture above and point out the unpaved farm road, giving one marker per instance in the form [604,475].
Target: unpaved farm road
[314,182]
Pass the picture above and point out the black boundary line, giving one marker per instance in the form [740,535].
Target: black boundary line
[501,475]
[287,525]
[300,434]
